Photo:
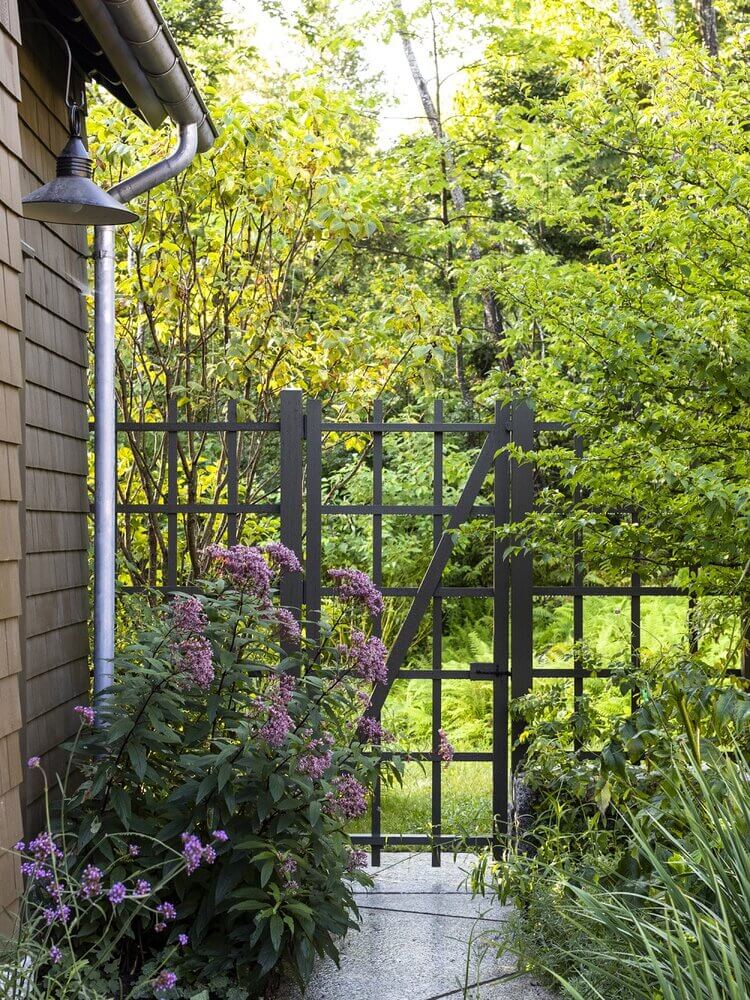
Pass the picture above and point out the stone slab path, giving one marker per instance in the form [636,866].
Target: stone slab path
[423,937]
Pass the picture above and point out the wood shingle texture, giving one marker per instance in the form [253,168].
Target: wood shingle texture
[55,429]
[11,439]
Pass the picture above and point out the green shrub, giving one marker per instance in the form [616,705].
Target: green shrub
[639,853]
[229,755]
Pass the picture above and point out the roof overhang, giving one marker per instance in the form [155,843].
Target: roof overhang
[127,46]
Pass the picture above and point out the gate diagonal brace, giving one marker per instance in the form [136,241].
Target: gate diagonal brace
[431,579]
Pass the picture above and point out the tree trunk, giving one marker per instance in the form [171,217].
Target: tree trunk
[490,311]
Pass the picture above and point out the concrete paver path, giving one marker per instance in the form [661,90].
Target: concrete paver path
[423,937]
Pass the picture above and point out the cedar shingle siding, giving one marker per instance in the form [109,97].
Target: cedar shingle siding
[56,428]
[43,432]
[11,265]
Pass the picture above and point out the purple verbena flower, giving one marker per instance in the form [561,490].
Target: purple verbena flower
[209,855]
[192,851]
[221,835]
[445,750]
[281,557]
[117,894]
[348,797]
[188,615]
[43,846]
[57,914]
[366,656]
[91,882]
[165,981]
[182,939]
[289,628]
[167,911]
[142,887]
[246,568]
[55,955]
[134,850]
[87,714]
[33,761]
[355,587]
[19,846]
[195,660]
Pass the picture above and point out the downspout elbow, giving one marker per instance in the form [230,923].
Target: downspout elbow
[157,173]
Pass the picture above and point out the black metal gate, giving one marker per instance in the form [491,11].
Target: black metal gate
[299,503]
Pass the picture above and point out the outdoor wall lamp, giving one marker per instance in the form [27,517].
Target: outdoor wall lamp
[72,198]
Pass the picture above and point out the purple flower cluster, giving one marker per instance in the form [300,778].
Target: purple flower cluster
[348,797]
[91,882]
[279,722]
[277,726]
[55,955]
[56,914]
[188,615]
[355,587]
[288,869]
[117,894]
[192,852]
[282,558]
[356,859]
[142,887]
[165,981]
[34,761]
[195,852]
[445,750]
[182,939]
[370,731]
[366,656]
[246,567]
[87,714]
[196,660]
[317,757]
[134,850]
[165,913]
[289,628]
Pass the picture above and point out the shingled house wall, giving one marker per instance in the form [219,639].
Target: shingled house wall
[43,436]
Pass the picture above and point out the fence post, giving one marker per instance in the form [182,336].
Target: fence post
[290,455]
[521,569]
[501,627]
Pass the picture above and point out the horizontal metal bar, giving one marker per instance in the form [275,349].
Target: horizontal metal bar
[439,591]
[368,426]
[198,508]
[180,426]
[412,509]
[393,839]
[426,675]
[597,591]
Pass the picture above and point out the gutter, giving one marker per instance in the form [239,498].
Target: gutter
[136,39]
[105,442]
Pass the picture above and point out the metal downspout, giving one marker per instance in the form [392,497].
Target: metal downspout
[105,406]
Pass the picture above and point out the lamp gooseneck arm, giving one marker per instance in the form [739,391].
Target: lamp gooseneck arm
[105,405]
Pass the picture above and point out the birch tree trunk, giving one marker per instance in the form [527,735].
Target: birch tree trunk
[491,314]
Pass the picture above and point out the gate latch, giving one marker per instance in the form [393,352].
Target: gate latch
[480,671]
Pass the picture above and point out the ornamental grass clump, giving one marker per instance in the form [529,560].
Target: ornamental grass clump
[220,747]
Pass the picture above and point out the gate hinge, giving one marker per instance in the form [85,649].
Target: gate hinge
[481,671]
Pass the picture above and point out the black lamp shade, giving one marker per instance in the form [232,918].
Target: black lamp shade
[72,198]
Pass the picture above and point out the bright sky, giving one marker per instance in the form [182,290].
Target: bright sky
[401,111]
